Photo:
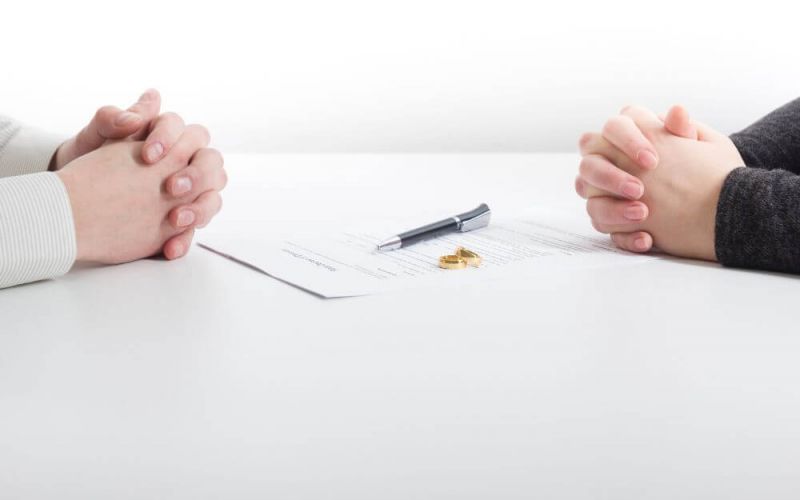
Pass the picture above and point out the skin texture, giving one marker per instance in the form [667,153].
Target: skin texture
[159,133]
[121,209]
[675,209]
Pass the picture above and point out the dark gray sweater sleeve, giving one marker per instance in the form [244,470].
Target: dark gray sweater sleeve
[773,141]
[758,214]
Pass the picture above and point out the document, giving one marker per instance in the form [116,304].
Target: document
[346,263]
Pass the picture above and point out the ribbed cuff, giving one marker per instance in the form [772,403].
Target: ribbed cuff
[37,232]
[25,150]
[758,220]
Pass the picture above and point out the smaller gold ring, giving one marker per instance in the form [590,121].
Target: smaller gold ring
[471,257]
[452,262]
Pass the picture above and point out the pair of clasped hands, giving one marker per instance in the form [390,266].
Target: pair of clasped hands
[655,180]
[139,182]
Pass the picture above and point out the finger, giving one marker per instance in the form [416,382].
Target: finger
[704,132]
[108,122]
[148,106]
[594,143]
[708,134]
[134,120]
[615,228]
[597,171]
[179,245]
[678,123]
[581,187]
[193,139]
[587,191]
[164,133]
[198,213]
[612,211]
[622,132]
[205,172]
[642,117]
[638,241]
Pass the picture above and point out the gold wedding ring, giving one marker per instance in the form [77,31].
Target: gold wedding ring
[452,262]
[471,257]
[461,259]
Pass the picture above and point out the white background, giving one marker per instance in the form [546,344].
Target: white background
[410,76]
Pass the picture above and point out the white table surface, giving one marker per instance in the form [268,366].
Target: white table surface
[203,379]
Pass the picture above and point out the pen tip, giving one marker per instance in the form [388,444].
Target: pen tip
[392,243]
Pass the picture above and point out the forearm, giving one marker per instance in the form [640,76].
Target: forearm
[37,233]
[24,150]
[773,141]
[758,220]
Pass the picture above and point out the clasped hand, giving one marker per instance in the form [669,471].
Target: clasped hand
[139,182]
[653,180]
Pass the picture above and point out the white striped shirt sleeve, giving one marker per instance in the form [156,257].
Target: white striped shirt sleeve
[24,150]
[37,232]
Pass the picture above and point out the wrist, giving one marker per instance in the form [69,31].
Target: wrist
[711,225]
[68,180]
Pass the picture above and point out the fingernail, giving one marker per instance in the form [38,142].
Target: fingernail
[640,243]
[633,190]
[185,217]
[182,185]
[647,159]
[635,212]
[154,151]
[125,118]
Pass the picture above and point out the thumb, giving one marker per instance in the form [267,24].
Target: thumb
[678,123]
[109,122]
[134,120]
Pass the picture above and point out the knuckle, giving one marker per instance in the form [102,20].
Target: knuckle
[171,116]
[223,178]
[104,112]
[600,228]
[592,207]
[216,156]
[598,171]
[201,132]
[612,125]
[150,95]
[182,156]
[603,210]
[580,187]
[630,109]
[210,157]
[608,128]
[585,139]
[620,240]
[585,166]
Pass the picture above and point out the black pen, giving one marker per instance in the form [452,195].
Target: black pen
[468,221]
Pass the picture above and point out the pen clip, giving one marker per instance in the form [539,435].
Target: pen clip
[474,219]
